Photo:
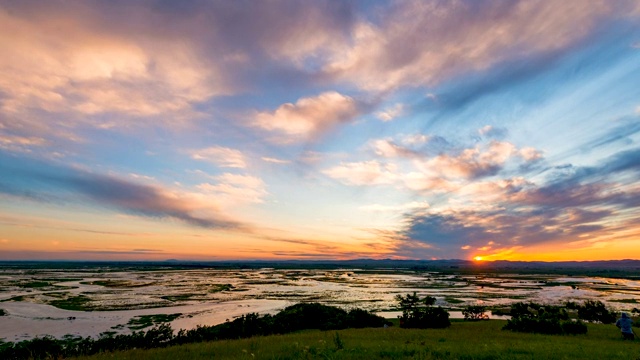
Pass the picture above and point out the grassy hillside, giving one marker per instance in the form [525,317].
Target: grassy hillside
[463,340]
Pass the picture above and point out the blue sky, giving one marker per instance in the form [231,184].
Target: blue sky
[310,130]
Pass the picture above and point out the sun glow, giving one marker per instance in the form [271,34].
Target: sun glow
[478,258]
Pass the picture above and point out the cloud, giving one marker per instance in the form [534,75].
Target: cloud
[390,113]
[415,44]
[621,134]
[64,57]
[363,173]
[233,189]
[36,179]
[414,205]
[530,154]
[470,163]
[309,117]
[388,149]
[493,132]
[221,156]
[574,206]
[275,160]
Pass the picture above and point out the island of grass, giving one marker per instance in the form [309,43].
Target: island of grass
[144,321]
[123,284]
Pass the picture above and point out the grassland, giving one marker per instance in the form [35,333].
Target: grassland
[463,340]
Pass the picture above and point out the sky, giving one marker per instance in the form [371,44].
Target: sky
[219,130]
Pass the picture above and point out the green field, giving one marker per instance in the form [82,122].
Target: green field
[463,340]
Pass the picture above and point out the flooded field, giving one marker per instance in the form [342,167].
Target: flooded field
[90,302]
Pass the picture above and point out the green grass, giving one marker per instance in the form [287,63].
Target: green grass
[463,340]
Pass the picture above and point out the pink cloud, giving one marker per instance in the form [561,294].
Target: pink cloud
[415,44]
[309,116]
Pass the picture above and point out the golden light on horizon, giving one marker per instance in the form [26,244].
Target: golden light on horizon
[478,258]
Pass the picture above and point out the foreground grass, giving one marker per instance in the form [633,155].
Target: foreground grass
[463,340]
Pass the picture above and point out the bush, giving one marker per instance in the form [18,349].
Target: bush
[574,327]
[358,318]
[475,313]
[543,319]
[310,316]
[419,313]
[595,311]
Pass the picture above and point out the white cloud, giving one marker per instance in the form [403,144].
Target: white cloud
[221,156]
[274,160]
[232,189]
[363,173]
[309,116]
[415,139]
[390,113]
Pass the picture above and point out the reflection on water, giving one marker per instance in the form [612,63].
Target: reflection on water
[98,300]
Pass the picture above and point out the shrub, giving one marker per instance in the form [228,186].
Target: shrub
[358,318]
[3,312]
[310,316]
[419,313]
[475,313]
[574,327]
[595,311]
[543,319]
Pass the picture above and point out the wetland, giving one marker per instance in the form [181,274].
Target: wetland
[90,300]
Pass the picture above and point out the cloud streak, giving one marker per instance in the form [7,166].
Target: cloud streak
[146,200]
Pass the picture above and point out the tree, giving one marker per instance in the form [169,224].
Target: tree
[420,313]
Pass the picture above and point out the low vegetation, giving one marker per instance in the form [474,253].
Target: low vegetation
[463,340]
[293,318]
[320,333]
